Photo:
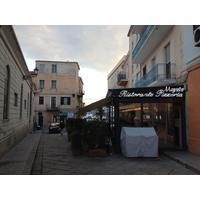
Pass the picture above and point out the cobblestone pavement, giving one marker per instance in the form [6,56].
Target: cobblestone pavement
[54,157]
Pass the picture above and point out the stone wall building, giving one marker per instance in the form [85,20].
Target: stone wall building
[16,92]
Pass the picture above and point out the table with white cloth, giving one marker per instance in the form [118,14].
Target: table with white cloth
[139,142]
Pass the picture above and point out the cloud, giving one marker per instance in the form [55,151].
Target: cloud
[97,49]
[93,46]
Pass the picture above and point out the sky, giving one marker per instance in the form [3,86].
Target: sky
[97,49]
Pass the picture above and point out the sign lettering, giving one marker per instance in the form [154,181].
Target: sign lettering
[167,92]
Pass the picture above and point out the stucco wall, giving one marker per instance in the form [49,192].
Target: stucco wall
[14,127]
[194,109]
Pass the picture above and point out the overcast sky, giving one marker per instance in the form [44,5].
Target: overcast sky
[97,49]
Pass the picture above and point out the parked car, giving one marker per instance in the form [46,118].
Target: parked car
[54,128]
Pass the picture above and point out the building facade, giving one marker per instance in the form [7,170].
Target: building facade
[164,56]
[59,91]
[118,77]
[16,92]
[192,65]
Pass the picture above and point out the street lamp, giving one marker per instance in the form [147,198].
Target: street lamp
[25,77]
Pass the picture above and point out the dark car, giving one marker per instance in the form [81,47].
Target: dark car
[54,128]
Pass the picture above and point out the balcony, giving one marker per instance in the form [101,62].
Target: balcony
[160,75]
[122,78]
[149,40]
[52,108]
[80,94]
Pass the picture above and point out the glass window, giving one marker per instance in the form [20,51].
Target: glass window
[53,102]
[41,100]
[41,84]
[24,104]
[65,101]
[15,99]
[54,68]
[21,99]
[53,84]
[42,68]
[6,93]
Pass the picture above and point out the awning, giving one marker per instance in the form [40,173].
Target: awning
[97,104]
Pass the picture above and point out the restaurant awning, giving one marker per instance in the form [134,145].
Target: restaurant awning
[97,104]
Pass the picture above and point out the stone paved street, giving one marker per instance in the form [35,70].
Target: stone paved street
[54,157]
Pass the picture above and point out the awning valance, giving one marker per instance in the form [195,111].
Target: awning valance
[97,104]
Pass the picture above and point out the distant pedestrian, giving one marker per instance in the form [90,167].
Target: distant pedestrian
[62,125]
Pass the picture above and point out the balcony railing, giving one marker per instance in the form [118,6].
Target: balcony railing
[52,108]
[122,78]
[157,75]
[81,93]
[142,40]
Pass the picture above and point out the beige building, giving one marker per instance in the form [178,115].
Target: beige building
[16,92]
[118,77]
[59,91]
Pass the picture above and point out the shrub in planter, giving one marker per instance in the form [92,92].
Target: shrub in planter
[76,142]
[96,133]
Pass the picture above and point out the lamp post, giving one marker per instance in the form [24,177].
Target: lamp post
[25,77]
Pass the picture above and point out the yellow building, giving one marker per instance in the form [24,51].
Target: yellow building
[59,91]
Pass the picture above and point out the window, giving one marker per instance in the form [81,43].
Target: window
[54,68]
[132,68]
[53,102]
[28,105]
[41,84]
[42,68]
[15,99]
[53,84]
[41,100]
[144,70]
[168,63]
[21,99]
[6,93]
[65,101]
[153,63]
[132,45]
[24,104]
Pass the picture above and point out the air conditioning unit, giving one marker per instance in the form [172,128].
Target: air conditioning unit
[197,37]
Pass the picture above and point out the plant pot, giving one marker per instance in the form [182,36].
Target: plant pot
[76,151]
[97,152]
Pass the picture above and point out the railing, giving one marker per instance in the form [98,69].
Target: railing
[156,74]
[51,108]
[142,40]
[121,75]
[81,93]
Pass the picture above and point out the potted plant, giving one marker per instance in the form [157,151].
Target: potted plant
[95,134]
[76,143]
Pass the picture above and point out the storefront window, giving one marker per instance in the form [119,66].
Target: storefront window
[157,115]
[130,114]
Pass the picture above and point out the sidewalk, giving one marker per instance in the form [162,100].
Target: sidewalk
[185,158]
[21,157]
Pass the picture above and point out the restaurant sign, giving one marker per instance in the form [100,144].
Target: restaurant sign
[167,92]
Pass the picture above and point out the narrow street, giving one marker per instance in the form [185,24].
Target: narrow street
[54,157]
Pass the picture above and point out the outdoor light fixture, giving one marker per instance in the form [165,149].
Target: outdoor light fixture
[25,77]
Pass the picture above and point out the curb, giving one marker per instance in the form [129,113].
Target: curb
[182,163]
[31,158]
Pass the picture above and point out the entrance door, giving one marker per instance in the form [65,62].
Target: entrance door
[177,125]
[168,62]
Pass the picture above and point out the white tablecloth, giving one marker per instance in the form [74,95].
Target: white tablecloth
[139,142]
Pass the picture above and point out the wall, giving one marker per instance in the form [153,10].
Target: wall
[194,109]
[15,127]
[68,84]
